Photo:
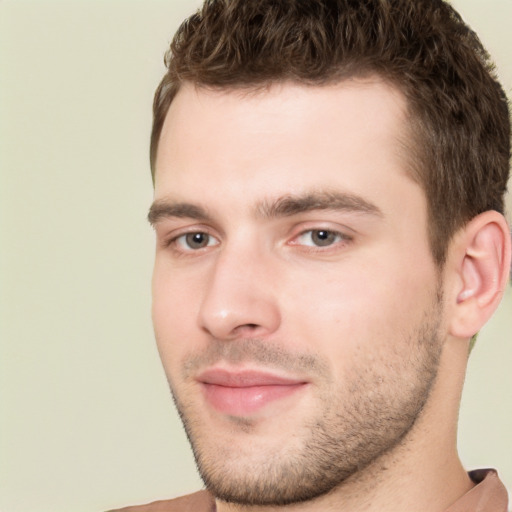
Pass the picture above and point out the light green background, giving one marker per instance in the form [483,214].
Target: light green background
[86,420]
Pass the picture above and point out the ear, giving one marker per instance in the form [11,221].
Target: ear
[480,257]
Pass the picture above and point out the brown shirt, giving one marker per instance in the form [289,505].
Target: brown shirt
[488,495]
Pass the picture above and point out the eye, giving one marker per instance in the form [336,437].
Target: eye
[195,241]
[320,238]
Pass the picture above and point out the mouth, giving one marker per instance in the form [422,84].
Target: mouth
[242,393]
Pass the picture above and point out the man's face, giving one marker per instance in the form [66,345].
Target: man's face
[295,300]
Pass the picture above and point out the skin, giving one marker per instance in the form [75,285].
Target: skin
[362,319]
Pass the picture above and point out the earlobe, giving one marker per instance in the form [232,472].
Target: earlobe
[482,262]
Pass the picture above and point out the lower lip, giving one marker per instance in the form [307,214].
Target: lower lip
[242,401]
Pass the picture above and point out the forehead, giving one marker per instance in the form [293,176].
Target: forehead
[283,139]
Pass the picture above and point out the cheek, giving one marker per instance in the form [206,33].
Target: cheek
[173,313]
[341,311]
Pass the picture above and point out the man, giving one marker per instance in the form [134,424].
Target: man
[329,179]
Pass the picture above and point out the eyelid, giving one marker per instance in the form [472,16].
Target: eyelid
[336,234]
[170,237]
[345,236]
[183,246]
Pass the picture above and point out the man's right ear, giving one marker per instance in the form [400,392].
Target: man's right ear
[480,257]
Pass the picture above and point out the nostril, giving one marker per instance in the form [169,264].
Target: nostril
[247,329]
[229,312]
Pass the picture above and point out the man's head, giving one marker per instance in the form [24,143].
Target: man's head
[315,164]
[458,140]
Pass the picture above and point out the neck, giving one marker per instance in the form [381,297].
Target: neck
[424,464]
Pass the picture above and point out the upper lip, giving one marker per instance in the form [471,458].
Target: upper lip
[245,378]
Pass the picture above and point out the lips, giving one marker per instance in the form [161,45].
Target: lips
[246,392]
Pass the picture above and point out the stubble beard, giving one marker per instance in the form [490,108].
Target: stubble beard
[371,413]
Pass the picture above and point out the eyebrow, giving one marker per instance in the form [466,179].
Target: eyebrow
[289,205]
[284,206]
[163,208]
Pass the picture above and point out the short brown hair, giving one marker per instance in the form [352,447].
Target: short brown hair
[459,118]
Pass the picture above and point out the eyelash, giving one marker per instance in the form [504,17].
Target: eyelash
[173,242]
[340,238]
[176,239]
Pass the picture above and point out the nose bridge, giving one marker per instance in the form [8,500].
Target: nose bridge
[239,295]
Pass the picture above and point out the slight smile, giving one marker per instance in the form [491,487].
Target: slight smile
[245,392]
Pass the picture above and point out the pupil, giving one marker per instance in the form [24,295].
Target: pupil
[196,240]
[323,238]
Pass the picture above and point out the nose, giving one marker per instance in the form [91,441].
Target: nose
[239,299]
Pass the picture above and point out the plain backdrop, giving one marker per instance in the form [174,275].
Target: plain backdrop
[86,419]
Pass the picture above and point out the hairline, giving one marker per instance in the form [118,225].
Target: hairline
[344,74]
